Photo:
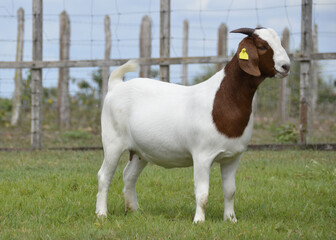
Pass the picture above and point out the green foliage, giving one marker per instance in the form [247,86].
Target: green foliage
[84,85]
[154,73]
[75,135]
[268,96]
[97,77]
[26,93]
[5,108]
[294,86]
[280,195]
[49,96]
[85,97]
[287,133]
[326,93]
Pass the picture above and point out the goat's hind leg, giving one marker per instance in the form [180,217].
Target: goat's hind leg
[131,173]
[112,154]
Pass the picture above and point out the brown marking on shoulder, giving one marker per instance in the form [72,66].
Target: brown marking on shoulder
[232,105]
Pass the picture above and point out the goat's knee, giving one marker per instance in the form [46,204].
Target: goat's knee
[229,191]
[103,181]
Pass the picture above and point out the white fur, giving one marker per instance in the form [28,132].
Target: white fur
[171,126]
[280,56]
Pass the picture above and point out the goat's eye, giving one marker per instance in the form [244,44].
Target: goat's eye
[262,48]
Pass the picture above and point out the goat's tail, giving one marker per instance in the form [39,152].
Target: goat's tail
[118,73]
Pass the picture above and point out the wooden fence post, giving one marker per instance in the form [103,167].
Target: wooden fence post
[145,45]
[164,37]
[185,51]
[63,77]
[305,70]
[36,84]
[16,101]
[222,43]
[107,55]
[283,99]
[314,84]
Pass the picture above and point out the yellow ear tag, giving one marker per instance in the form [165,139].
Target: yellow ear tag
[243,54]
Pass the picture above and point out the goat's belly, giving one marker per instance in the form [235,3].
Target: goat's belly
[170,163]
[164,154]
[170,160]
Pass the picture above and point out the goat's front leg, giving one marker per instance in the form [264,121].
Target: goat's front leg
[201,182]
[228,171]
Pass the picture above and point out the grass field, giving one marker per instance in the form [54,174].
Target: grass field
[280,195]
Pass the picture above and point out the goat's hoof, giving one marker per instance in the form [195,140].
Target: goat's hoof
[230,217]
[198,220]
[131,207]
[101,215]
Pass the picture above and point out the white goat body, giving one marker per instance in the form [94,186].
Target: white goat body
[173,126]
[166,123]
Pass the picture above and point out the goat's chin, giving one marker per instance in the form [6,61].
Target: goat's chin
[281,74]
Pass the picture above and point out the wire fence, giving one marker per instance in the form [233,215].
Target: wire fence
[87,41]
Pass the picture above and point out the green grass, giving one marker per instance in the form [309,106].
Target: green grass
[280,195]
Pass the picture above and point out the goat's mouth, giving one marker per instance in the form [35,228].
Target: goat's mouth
[281,74]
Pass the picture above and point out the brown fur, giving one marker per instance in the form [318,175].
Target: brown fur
[232,106]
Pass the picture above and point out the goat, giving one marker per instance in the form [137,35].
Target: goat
[180,126]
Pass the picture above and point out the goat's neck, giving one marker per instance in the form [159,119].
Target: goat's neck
[232,105]
[237,84]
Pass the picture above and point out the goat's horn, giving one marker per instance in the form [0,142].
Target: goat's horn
[247,31]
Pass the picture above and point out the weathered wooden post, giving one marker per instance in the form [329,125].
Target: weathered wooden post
[16,101]
[63,77]
[107,55]
[315,69]
[284,82]
[145,45]
[164,38]
[36,85]
[185,51]
[305,70]
[222,43]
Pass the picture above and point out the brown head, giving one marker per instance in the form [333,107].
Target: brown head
[261,53]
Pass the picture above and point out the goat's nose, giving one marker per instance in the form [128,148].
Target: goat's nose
[286,67]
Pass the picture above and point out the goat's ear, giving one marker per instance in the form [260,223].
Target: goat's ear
[248,57]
